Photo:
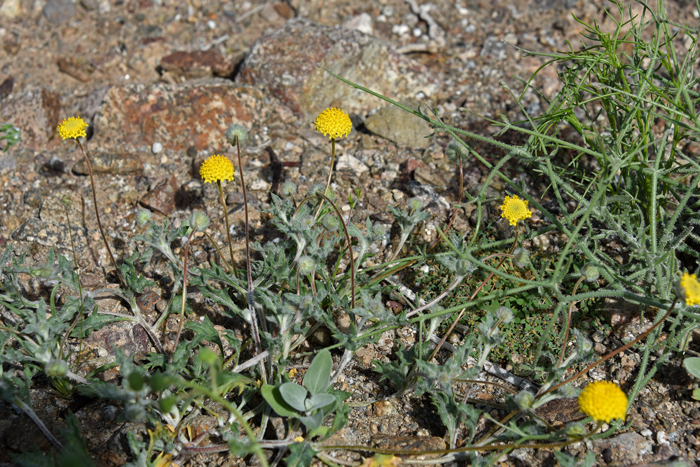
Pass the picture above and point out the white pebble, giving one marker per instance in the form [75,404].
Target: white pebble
[211,24]
[157,147]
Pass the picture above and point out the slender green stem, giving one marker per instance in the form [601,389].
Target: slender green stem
[97,215]
[80,292]
[211,240]
[330,174]
[228,228]
[184,296]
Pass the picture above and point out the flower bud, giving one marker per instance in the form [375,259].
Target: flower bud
[524,400]
[331,222]
[199,220]
[56,368]
[288,189]
[521,258]
[415,203]
[504,314]
[306,265]
[236,133]
[143,217]
[455,151]
[308,221]
[590,272]
[575,430]
[378,230]
[66,200]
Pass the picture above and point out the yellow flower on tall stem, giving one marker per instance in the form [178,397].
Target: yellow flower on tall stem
[603,401]
[333,123]
[216,169]
[74,128]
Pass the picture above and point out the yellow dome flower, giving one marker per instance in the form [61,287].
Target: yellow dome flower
[515,209]
[216,168]
[333,123]
[691,289]
[603,401]
[73,127]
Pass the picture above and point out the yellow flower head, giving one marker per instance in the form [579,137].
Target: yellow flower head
[299,439]
[73,127]
[690,288]
[603,401]
[333,123]
[515,209]
[216,168]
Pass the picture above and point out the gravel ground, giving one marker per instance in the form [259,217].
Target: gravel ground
[159,82]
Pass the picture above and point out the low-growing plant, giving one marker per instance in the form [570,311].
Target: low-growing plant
[631,115]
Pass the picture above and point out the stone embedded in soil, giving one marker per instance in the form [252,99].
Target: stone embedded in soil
[627,447]
[78,68]
[199,64]
[58,11]
[162,198]
[116,163]
[35,112]
[195,113]
[399,126]
[285,61]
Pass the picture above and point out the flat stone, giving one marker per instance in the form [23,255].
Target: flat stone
[285,61]
[195,113]
[11,9]
[625,448]
[110,163]
[126,335]
[35,112]
[198,64]
[399,126]
[76,67]
[348,163]
[162,197]
[58,11]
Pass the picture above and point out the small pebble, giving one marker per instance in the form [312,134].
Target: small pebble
[157,147]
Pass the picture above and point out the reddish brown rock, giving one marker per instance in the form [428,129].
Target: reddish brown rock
[195,113]
[162,197]
[35,112]
[285,63]
[75,67]
[198,64]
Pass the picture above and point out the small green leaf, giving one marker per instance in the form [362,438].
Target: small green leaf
[318,376]
[294,395]
[272,396]
[692,364]
[319,401]
[314,421]
[696,394]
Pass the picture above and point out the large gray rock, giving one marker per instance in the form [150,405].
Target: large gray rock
[285,62]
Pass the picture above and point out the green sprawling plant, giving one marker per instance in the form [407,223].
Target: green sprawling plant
[631,116]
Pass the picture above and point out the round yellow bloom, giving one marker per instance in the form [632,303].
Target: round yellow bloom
[691,289]
[216,168]
[333,123]
[515,209]
[299,439]
[73,127]
[603,401]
